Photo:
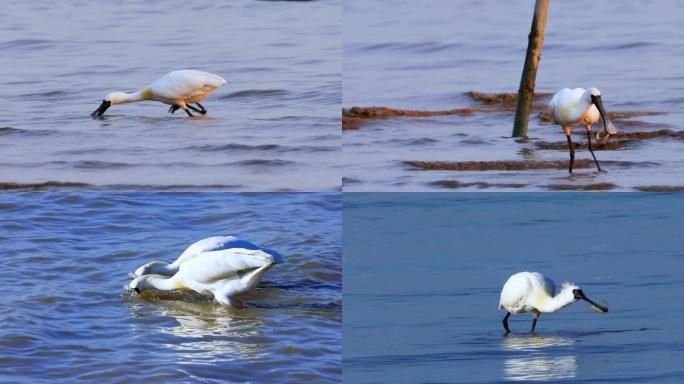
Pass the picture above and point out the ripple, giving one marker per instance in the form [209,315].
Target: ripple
[252,93]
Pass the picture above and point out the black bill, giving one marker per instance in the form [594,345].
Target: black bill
[608,126]
[581,296]
[101,109]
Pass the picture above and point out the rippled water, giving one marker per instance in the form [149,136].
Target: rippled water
[64,316]
[278,115]
[423,272]
[426,55]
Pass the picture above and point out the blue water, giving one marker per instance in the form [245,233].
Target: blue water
[65,317]
[279,113]
[426,55]
[423,273]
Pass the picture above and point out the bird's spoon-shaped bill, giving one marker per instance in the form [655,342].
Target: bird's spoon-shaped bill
[593,305]
[599,309]
[101,109]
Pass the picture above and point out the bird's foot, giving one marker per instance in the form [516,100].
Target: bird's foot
[173,109]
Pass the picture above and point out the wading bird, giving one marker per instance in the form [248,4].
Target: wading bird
[179,89]
[222,272]
[536,293]
[579,106]
[214,243]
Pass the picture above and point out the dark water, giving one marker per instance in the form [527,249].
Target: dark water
[64,316]
[423,273]
[426,55]
[278,115]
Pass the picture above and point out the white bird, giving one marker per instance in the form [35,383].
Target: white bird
[214,243]
[179,89]
[218,265]
[579,106]
[536,293]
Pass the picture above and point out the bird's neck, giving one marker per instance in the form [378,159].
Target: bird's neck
[564,298]
[143,94]
[163,269]
[162,283]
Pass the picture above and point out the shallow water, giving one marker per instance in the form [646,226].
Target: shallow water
[65,317]
[427,55]
[278,115]
[423,272]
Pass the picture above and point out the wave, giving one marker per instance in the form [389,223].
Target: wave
[255,93]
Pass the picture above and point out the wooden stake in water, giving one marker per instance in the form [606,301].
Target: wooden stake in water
[529,74]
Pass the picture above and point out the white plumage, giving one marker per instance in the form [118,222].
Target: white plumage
[533,292]
[179,89]
[223,266]
[214,243]
[577,106]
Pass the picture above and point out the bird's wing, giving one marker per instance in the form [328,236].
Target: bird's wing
[205,245]
[217,243]
[178,85]
[565,99]
[217,265]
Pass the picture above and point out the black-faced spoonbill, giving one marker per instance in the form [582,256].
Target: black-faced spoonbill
[536,293]
[179,89]
[223,273]
[214,243]
[579,106]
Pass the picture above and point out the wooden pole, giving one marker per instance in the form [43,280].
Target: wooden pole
[529,74]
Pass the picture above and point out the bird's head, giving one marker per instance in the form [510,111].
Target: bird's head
[116,98]
[109,100]
[594,91]
[579,295]
[138,284]
[608,127]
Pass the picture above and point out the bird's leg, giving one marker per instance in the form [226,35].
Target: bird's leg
[188,112]
[534,321]
[173,109]
[202,107]
[197,110]
[572,154]
[590,150]
[505,323]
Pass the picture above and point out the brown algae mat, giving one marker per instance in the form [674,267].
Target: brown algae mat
[513,165]
[499,165]
[618,141]
[582,187]
[354,117]
[660,188]
[48,185]
[455,184]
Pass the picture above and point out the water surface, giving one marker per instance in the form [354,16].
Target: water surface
[65,317]
[426,55]
[274,126]
[423,273]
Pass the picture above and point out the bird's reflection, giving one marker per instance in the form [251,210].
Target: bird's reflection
[531,343]
[540,368]
[537,358]
[203,331]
